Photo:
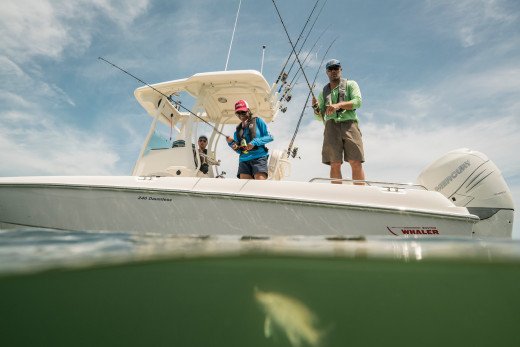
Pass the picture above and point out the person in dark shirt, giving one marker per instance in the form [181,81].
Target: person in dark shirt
[203,152]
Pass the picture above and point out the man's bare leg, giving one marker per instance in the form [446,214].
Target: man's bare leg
[335,171]
[358,174]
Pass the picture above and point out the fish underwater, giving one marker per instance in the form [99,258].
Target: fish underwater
[289,315]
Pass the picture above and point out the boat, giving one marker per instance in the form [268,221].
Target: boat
[460,194]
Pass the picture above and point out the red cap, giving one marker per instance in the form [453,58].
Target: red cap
[241,105]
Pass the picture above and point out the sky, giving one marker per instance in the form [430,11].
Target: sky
[435,75]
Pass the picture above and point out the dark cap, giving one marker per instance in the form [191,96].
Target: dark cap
[203,137]
[332,62]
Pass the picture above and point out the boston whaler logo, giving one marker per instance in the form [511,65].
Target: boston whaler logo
[453,175]
[397,231]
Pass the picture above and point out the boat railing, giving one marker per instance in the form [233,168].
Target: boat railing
[390,186]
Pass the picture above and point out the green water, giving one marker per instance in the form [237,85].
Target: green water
[210,301]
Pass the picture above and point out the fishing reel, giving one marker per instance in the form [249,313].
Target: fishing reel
[287,92]
[243,146]
[284,77]
[294,152]
[286,95]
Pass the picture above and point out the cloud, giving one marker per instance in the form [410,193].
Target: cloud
[121,12]
[14,100]
[30,28]
[20,85]
[472,22]
[453,98]
[39,145]
[399,153]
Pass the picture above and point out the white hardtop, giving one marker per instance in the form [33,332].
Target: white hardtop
[215,94]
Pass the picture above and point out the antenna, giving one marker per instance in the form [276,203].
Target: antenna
[263,53]
[233,35]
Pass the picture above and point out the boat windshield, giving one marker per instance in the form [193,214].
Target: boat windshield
[159,141]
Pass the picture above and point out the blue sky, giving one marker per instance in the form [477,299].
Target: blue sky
[434,75]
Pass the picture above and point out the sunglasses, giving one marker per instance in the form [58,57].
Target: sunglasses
[333,68]
[241,113]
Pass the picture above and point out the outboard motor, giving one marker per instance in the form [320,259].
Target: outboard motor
[469,179]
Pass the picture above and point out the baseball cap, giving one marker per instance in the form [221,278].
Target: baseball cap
[332,62]
[241,105]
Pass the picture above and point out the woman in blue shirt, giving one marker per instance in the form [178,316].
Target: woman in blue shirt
[249,141]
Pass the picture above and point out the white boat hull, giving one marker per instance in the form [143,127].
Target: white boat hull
[205,206]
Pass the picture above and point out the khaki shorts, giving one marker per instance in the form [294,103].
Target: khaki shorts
[342,141]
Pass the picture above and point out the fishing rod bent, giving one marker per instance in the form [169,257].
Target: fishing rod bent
[308,96]
[292,46]
[299,37]
[167,97]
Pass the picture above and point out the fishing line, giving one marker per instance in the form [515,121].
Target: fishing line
[299,37]
[308,96]
[167,97]
[292,46]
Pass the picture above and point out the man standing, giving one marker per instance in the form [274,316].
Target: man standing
[336,107]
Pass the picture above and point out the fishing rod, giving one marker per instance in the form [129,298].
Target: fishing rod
[296,76]
[289,149]
[308,34]
[292,46]
[167,97]
[299,37]
[301,48]
[290,85]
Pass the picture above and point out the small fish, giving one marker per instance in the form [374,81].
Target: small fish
[290,316]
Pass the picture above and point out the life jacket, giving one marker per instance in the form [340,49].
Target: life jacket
[343,91]
[252,132]
[252,129]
